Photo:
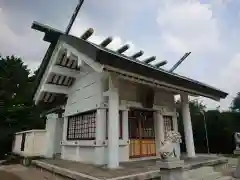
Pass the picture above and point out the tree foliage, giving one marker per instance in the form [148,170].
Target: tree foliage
[220,128]
[17,111]
[236,103]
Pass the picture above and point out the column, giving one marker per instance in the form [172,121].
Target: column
[125,136]
[159,129]
[113,123]
[100,137]
[125,125]
[187,126]
[51,124]
[64,136]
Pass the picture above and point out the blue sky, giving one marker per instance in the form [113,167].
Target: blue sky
[166,28]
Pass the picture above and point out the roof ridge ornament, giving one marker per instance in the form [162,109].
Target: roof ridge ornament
[137,54]
[161,63]
[106,42]
[87,34]
[123,49]
[150,59]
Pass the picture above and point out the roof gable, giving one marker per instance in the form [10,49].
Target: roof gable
[98,56]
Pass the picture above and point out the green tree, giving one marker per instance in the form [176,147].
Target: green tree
[236,103]
[17,111]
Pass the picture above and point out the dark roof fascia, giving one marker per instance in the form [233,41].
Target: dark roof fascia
[52,36]
[122,62]
[111,58]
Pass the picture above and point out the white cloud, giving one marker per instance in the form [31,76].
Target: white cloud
[188,26]
[28,46]
[173,27]
[230,79]
[117,42]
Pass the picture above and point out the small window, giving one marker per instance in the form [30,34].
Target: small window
[82,126]
[120,125]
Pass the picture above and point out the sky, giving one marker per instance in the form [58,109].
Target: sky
[164,28]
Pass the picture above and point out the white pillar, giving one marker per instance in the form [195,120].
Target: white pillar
[187,126]
[125,125]
[159,124]
[113,124]
[100,137]
[51,125]
[64,136]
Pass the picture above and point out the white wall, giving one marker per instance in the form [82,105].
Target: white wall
[35,143]
[164,99]
[86,93]
[39,143]
[79,153]
[123,154]
[131,94]
[54,129]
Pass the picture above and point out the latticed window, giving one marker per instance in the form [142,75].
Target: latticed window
[82,126]
[168,124]
[120,124]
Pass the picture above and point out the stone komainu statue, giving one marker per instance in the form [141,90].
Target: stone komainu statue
[167,149]
[237,140]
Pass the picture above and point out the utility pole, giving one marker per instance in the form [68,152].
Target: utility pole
[74,16]
[206,131]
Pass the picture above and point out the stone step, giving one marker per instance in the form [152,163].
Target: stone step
[225,178]
[211,176]
[200,172]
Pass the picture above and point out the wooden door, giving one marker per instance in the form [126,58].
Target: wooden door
[141,133]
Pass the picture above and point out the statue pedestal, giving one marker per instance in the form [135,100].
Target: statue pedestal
[171,169]
[237,151]
[236,173]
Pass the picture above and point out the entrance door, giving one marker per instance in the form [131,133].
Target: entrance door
[141,133]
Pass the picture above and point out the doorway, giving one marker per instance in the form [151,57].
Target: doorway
[141,133]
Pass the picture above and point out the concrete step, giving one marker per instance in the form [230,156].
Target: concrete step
[210,176]
[200,172]
[225,178]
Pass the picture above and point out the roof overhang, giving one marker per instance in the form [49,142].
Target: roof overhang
[168,79]
[116,60]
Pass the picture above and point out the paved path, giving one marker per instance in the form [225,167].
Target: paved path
[19,172]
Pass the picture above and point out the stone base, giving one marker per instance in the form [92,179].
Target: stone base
[171,169]
[236,173]
[236,152]
[170,163]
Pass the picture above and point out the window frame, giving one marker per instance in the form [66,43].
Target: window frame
[166,127]
[85,129]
